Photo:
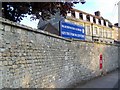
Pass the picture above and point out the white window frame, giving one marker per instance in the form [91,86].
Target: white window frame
[88,31]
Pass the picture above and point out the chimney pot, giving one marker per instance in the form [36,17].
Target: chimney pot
[97,13]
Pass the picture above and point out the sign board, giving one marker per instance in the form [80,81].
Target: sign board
[69,30]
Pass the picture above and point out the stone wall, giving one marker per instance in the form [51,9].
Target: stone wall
[32,58]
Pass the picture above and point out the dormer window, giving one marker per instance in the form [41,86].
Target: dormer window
[88,17]
[94,20]
[81,16]
[110,25]
[73,14]
[104,22]
[99,20]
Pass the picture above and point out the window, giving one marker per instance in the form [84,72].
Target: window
[73,14]
[81,16]
[95,30]
[107,34]
[104,32]
[88,30]
[94,20]
[88,17]
[104,22]
[101,32]
[110,25]
[99,21]
[110,34]
[69,13]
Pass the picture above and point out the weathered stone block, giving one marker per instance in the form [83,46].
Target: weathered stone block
[7,28]
[1,26]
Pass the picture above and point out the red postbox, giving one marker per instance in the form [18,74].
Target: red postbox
[101,61]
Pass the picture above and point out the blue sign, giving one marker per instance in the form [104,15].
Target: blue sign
[69,30]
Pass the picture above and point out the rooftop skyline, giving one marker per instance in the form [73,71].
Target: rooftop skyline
[108,9]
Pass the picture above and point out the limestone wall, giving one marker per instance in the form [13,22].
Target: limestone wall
[32,58]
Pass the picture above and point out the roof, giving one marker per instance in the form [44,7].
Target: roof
[90,14]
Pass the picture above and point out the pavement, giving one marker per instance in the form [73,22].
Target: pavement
[108,81]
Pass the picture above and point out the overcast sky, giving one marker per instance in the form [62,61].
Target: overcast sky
[108,9]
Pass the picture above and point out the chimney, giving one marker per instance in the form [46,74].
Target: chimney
[116,24]
[97,13]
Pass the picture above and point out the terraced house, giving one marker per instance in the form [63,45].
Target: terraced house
[96,27]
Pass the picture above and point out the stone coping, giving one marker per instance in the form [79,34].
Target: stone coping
[6,21]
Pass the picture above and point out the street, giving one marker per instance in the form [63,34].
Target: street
[108,81]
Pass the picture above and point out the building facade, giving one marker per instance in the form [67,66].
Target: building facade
[97,28]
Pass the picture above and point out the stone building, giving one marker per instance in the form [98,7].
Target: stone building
[97,28]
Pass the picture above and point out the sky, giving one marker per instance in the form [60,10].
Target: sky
[108,9]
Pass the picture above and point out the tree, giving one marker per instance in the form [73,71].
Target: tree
[16,11]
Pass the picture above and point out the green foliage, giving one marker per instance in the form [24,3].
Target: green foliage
[16,11]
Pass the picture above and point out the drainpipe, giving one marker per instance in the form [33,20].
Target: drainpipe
[92,31]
